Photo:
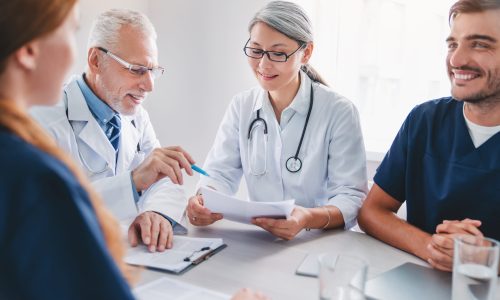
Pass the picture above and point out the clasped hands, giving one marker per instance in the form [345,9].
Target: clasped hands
[441,244]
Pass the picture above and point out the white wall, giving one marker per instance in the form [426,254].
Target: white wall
[201,46]
[89,9]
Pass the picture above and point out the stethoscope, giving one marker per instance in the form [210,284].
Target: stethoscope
[293,163]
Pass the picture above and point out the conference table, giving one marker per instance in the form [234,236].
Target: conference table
[256,259]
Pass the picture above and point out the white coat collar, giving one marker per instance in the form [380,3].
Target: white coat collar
[94,136]
[299,104]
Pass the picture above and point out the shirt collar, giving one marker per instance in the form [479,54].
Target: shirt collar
[99,109]
[300,102]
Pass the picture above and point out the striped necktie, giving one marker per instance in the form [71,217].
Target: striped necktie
[113,131]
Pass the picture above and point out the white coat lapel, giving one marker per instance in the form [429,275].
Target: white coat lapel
[129,139]
[91,133]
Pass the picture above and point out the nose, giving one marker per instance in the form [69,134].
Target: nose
[265,61]
[147,82]
[459,57]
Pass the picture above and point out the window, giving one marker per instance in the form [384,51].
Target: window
[384,55]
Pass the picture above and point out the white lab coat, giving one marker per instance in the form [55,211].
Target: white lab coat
[77,132]
[333,156]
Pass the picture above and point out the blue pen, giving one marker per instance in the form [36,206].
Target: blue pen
[199,170]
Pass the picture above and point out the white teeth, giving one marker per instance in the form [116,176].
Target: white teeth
[465,76]
[136,97]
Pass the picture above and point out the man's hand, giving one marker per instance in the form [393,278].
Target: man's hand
[162,162]
[285,229]
[153,229]
[198,214]
[441,246]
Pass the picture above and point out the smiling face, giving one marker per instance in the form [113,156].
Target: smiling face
[117,86]
[276,76]
[473,59]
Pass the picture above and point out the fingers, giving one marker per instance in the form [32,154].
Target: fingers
[438,266]
[133,236]
[166,236]
[198,214]
[168,167]
[170,235]
[204,221]
[163,162]
[439,259]
[183,159]
[186,155]
[285,229]
[461,227]
[476,223]
[443,241]
[153,229]
[145,227]
[155,232]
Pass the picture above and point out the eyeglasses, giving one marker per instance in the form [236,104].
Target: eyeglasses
[276,56]
[135,69]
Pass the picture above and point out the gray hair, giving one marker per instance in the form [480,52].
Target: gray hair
[291,20]
[106,27]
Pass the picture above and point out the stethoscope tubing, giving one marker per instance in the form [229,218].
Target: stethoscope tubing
[294,160]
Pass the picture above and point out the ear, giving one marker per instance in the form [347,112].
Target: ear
[27,56]
[93,60]
[307,53]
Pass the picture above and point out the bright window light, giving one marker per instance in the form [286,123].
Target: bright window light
[384,55]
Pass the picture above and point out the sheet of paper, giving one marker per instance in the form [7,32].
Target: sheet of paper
[172,259]
[170,289]
[243,211]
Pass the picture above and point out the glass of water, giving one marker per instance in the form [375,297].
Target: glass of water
[341,277]
[475,268]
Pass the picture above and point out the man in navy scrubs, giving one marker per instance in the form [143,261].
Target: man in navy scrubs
[445,160]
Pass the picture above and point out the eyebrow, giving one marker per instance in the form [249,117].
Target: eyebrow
[475,37]
[275,45]
[481,37]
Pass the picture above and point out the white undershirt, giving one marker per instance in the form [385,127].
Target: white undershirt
[478,133]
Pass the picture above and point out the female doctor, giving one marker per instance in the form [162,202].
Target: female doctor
[291,137]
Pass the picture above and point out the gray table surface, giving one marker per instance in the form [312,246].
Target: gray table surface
[256,259]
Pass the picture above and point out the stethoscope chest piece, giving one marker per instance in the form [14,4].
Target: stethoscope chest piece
[293,164]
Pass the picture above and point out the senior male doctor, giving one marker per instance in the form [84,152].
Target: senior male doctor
[101,123]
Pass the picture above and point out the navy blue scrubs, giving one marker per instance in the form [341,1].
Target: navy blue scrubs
[434,166]
[50,243]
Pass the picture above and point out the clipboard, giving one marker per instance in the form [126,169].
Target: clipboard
[186,253]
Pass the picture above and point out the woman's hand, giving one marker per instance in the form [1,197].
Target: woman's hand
[198,214]
[286,229]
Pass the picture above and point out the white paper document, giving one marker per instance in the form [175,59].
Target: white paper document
[169,289]
[185,252]
[243,211]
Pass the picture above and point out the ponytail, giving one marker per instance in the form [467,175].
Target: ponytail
[313,74]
